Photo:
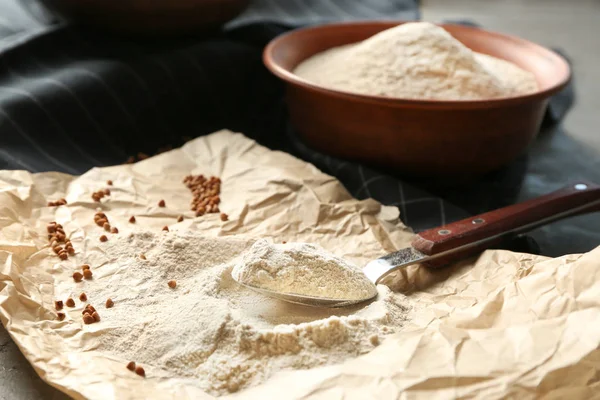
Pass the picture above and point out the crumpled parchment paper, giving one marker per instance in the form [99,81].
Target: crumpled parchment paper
[504,326]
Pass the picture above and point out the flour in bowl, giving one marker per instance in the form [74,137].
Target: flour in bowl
[416,60]
[210,331]
[304,269]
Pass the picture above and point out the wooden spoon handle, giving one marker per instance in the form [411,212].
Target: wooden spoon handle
[493,227]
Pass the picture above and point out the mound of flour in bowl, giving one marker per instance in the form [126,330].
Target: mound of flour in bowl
[416,60]
[209,330]
[302,268]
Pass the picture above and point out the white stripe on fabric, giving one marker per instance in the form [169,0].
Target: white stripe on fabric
[168,72]
[340,167]
[251,13]
[65,88]
[78,101]
[402,202]
[202,72]
[316,11]
[333,7]
[61,129]
[33,143]
[369,12]
[419,200]
[161,64]
[328,163]
[310,8]
[143,84]
[17,161]
[110,92]
[79,149]
[366,184]
[279,9]
[141,81]
[17,39]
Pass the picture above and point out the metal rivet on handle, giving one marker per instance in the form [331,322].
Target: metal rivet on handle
[581,186]
[478,221]
[444,232]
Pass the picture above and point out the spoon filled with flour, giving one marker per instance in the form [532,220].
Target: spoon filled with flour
[302,273]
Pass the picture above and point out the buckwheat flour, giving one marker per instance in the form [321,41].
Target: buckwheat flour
[211,331]
[302,268]
[417,60]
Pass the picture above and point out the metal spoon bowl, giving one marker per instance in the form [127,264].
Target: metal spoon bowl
[306,300]
[375,271]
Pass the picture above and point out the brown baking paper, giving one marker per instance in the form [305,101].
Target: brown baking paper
[506,326]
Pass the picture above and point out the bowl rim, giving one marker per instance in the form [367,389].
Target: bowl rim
[291,78]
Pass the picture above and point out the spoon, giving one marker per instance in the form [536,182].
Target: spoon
[441,246]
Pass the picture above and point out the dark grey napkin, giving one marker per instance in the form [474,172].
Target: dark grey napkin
[72,99]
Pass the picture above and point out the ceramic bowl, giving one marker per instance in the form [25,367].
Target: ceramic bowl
[448,140]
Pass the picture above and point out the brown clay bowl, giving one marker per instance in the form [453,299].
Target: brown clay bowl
[447,140]
[149,17]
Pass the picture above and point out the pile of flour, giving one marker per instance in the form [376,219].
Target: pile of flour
[211,331]
[416,60]
[302,268]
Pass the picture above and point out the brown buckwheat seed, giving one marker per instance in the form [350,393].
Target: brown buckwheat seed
[87,274]
[58,305]
[89,309]
[132,219]
[109,303]
[140,371]
[83,296]
[131,366]
[161,203]
[88,319]
[103,238]
[101,221]
[70,302]
[172,284]
[77,276]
